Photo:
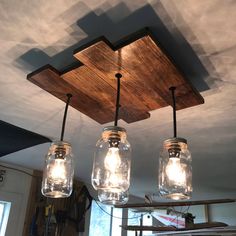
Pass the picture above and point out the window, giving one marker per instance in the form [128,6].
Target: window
[116,221]
[102,222]
[4,214]
[135,219]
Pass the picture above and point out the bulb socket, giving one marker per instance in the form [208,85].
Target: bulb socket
[60,153]
[114,141]
[174,146]
[174,152]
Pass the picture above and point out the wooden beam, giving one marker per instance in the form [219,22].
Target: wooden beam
[171,228]
[148,228]
[174,204]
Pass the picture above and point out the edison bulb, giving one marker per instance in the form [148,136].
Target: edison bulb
[111,165]
[114,179]
[57,172]
[112,160]
[175,171]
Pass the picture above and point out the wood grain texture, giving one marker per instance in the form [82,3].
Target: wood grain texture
[98,89]
[147,73]
[50,80]
[147,76]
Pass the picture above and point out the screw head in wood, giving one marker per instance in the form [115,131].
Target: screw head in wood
[118,75]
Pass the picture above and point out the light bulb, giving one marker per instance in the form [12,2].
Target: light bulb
[112,160]
[114,179]
[175,171]
[111,166]
[57,172]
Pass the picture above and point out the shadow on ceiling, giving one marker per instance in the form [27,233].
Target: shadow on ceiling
[13,138]
[115,23]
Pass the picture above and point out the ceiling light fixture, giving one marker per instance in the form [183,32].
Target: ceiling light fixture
[175,169]
[59,167]
[112,160]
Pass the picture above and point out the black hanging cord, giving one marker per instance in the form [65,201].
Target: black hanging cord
[118,77]
[172,89]
[69,96]
[117,217]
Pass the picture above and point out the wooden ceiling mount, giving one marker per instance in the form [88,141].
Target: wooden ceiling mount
[147,72]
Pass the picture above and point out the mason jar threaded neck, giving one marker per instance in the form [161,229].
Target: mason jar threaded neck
[114,132]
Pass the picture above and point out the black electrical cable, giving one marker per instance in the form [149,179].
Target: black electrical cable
[118,77]
[172,89]
[69,96]
[125,218]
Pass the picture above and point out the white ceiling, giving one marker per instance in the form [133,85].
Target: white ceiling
[34,33]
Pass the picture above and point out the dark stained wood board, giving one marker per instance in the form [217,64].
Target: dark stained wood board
[104,61]
[147,76]
[90,83]
[147,72]
[50,80]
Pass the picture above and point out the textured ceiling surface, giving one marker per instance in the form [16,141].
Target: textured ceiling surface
[35,33]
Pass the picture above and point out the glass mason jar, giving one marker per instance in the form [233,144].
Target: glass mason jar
[113,198]
[112,160]
[58,171]
[175,170]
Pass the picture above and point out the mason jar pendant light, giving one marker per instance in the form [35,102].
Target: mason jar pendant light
[175,169]
[59,167]
[112,160]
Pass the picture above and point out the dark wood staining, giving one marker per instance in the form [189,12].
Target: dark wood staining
[98,89]
[136,88]
[147,76]
[147,73]
[50,80]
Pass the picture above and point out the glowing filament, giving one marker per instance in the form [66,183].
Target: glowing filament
[57,172]
[175,171]
[112,160]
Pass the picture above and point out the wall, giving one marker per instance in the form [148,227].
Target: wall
[225,213]
[15,189]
